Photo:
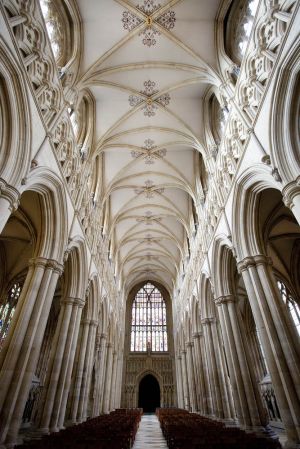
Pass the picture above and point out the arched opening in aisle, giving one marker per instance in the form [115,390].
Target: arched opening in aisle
[149,394]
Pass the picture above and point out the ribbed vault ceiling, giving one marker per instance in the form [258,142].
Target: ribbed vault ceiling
[148,64]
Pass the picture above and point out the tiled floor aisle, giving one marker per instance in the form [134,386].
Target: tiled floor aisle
[149,434]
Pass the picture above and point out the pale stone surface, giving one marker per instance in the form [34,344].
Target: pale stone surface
[149,434]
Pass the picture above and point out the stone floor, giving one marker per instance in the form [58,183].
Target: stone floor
[149,434]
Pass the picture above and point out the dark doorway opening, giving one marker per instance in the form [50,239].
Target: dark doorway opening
[149,394]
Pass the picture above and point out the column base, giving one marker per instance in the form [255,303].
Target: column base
[265,432]
[287,445]
[230,422]
[43,431]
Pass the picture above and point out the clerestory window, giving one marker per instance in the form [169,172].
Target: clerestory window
[290,303]
[54,26]
[238,28]
[149,321]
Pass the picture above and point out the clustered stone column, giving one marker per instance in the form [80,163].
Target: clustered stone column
[108,378]
[179,382]
[220,409]
[20,352]
[60,363]
[191,377]
[247,397]
[279,339]
[86,372]
[202,382]
[100,369]
[186,396]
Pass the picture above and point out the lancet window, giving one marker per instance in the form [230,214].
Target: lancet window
[7,309]
[149,321]
[290,303]
[54,26]
[238,28]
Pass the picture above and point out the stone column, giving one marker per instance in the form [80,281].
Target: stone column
[191,378]
[99,380]
[291,197]
[69,370]
[200,385]
[231,358]
[224,394]
[57,363]
[117,403]
[251,402]
[212,368]
[207,397]
[20,352]
[107,379]
[179,382]
[79,371]
[89,369]
[9,202]
[113,382]
[276,335]
[186,394]
[256,410]
[226,380]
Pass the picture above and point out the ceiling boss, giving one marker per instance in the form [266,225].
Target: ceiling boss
[150,16]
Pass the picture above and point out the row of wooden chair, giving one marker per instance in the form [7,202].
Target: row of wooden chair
[114,431]
[184,430]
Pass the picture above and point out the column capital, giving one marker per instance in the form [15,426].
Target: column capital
[183,351]
[11,194]
[47,264]
[94,323]
[224,300]
[196,335]
[252,261]
[189,344]
[86,321]
[208,321]
[73,301]
[103,336]
[291,190]
[108,345]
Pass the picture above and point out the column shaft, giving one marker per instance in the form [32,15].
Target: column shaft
[281,378]
[107,380]
[79,371]
[185,382]
[191,378]
[21,350]
[69,370]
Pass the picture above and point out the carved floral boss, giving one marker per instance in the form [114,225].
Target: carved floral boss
[150,32]
[150,105]
[149,152]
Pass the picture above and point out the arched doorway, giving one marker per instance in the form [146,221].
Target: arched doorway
[149,394]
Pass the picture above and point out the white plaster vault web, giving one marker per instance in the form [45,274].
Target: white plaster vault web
[148,64]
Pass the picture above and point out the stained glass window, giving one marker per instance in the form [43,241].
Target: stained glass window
[149,321]
[7,309]
[290,303]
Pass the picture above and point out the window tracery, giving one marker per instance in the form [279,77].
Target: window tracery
[7,309]
[149,321]
[238,28]
[290,303]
